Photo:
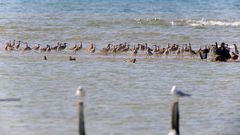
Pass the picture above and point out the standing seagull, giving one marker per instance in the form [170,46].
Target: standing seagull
[81,93]
[178,93]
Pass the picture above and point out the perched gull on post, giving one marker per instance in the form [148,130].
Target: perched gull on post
[81,93]
[178,93]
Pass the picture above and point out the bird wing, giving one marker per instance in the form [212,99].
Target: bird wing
[181,94]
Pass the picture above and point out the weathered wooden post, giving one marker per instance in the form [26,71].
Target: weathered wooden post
[175,117]
[81,93]
[175,120]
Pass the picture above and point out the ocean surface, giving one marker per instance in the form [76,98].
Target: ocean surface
[122,98]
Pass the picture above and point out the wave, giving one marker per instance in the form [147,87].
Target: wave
[162,22]
[212,23]
[189,22]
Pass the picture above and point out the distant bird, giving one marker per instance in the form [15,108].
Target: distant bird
[91,48]
[13,43]
[234,56]
[166,52]
[235,49]
[27,48]
[191,51]
[9,47]
[77,48]
[55,47]
[178,52]
[106,50]
[178,93]
[36,48]
[61,47]
[114,50]
[44,49]
[149,52]
[135,51]
[125,49]
[81,93]
[203,53]
[45,58]
[17,45]
[72,58]
[131,60]
[48,48]
[72,48]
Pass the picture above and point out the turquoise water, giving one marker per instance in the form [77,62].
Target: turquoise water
[122,98]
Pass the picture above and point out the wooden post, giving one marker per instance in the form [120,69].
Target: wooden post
[81,93]
[81,128]
[175,117]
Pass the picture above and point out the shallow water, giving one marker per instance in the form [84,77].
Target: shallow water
[122,98]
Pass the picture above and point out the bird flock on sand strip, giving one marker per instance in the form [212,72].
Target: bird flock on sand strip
[222,52]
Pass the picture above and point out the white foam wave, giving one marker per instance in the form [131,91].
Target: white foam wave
[190,22]
[212,23]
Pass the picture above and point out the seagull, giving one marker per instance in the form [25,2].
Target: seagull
[172,132]
[81,93]
[178,93]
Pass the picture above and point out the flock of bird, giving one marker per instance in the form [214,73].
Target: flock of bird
[140,49]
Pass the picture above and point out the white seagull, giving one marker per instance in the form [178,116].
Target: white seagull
[172,132]
[178,93]
[81,93]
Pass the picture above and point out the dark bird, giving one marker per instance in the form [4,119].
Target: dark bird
[61,47]
[27,48]
[45,58]
[203,53]
[72,58]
